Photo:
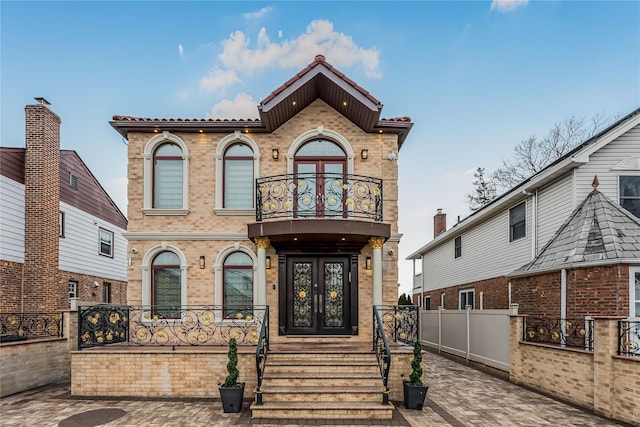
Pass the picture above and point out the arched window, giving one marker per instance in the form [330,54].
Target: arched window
[238,285]
[166,285]
[321,165]
[238,177]
[167,177]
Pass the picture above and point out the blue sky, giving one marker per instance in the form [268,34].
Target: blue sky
[475,77]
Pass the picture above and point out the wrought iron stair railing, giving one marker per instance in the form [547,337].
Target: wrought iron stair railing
[319,195]
[383,353]
[262,350]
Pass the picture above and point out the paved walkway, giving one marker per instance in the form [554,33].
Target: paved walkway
[458,396]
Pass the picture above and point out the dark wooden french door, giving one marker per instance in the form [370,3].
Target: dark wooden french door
[318,295]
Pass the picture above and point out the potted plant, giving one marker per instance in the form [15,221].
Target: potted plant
[415,391]
[232,391]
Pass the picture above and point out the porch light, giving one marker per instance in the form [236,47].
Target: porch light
[275,153]
[367,264]
[364,154]
[201,262]
[267,263]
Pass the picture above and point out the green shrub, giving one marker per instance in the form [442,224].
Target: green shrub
[232,365]
[416,365]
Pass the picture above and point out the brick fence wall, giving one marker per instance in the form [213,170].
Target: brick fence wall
[36,362]
[600,381]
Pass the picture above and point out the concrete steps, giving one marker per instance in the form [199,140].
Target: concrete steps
[331,383]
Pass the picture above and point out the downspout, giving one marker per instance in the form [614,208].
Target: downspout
[563,301]
[509,293]
[618,291]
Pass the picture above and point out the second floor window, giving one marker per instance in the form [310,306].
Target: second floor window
[517,222]
[167,177]
[630,194]
[238,177]
[106,242]
[457,247]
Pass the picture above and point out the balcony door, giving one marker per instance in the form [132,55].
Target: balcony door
[319,169]
[318,295]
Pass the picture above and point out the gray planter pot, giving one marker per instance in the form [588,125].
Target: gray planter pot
[232,398]
[414,395]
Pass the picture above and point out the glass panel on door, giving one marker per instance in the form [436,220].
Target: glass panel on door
[302,295]
[306,190]
[333,189]
[333,294]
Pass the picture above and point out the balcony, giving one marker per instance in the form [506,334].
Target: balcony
[319,195]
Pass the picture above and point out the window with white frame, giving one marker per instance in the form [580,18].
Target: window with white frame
[467,298]
[238,284]
[427,302]
[106,242]
[630,194]
[518,222]
[634,292]
[238,177]
[457,247]
[167,176]
[73,288]
[166,285]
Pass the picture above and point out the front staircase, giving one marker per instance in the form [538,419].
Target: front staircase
[322,381]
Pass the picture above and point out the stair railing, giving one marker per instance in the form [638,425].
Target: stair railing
[262,349]
[383,354]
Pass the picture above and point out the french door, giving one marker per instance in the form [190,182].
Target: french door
[318,295]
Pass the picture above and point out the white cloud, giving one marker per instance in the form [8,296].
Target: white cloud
[243,106]
[180,50]
[219,79]
[318,38]
[258,14]
[507,5]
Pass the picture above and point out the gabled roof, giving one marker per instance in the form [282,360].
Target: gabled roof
[573,159]
[89,197]
[598,231]
[318,80]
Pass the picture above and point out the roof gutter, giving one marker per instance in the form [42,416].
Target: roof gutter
[585,264]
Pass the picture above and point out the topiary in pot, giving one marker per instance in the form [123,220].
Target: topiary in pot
[415,391]
[232,391]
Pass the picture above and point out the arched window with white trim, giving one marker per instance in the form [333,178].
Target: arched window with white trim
[237,275]
[238,177]
[166,285]
[167,176]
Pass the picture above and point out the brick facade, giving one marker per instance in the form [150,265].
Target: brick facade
[495,294]
[10,286]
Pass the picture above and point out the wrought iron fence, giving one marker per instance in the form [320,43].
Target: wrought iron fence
[169,326]
[576,333]
[400,322]
[629,338]
[262,349]
[312,195]
[383,354]
[22,326]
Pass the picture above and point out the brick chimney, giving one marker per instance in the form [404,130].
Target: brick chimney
[439,223]
[41,288]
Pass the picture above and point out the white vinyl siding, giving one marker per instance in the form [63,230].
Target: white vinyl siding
[601,163]
[554,206]
[487,254]
[79,248]
[11,220]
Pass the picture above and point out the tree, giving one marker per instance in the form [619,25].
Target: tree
[484,190]
[405,299]
[531,155]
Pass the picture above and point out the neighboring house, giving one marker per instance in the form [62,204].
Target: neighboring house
[559,244]
[291,210]
[60,232]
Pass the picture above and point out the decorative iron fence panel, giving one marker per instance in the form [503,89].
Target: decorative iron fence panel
[21,326]
[170,326]
[311,195]
[629,338]
[400,322]
[576,333]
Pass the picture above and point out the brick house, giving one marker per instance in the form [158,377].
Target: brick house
[528,246]
[60,232]
[296,210]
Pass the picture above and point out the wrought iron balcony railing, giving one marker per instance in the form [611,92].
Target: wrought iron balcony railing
[319,195]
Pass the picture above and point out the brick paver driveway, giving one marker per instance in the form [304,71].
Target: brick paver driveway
[458,396]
